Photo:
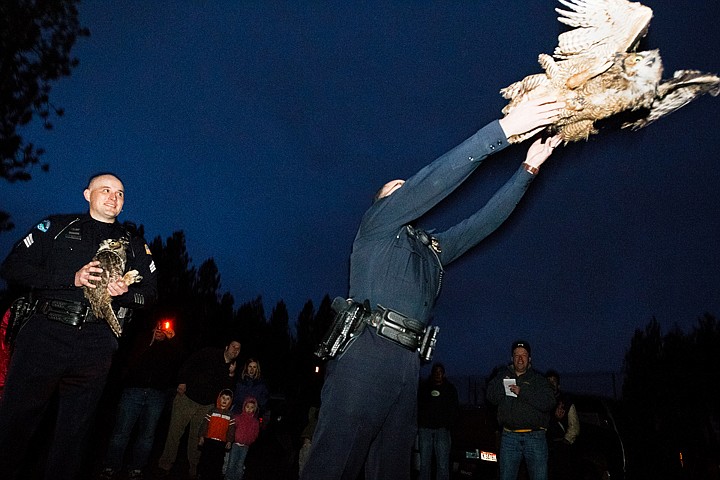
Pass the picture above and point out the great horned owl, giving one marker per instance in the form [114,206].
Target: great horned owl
[112,257]
[596,72]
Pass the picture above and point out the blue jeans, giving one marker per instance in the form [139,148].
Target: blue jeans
[437,439]
[141,406]
[515,446]
[236,462]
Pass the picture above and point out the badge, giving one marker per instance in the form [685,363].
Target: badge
[44,226]
[147,249]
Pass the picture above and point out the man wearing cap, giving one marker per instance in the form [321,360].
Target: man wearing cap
[525,400]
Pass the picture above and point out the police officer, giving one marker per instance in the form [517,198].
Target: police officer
[368,406]
[63,350]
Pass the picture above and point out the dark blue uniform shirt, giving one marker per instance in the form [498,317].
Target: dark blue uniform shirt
[47,258]
[391,268]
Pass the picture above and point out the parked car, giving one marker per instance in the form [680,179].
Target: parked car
[599,449]
[475,443]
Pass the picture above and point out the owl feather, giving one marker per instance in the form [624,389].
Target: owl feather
[112,257]
[595,70]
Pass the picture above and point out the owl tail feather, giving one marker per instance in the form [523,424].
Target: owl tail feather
[109,315]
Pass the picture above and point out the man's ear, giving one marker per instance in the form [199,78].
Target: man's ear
[86,194]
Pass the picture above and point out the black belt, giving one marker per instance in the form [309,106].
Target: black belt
[67,311]
[352,317]
[524,430]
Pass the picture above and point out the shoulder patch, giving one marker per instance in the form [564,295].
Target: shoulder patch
[44,226]
[147,249]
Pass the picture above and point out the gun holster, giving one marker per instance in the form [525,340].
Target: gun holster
[349,322]
[351,318]
[20,311]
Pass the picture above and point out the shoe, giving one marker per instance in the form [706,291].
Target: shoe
[107,474]
[159,472]
[135,475]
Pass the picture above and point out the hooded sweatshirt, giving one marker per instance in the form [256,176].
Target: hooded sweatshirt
[219,423]
[247,426]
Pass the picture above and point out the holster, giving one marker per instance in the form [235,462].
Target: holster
[352,317]
[20,311]
[349,322]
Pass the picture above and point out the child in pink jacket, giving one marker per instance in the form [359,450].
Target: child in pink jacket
[247,428]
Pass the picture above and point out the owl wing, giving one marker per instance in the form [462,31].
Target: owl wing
[602,28]
[684,87]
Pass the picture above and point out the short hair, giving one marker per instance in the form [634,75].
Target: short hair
[102,174]
[438,365]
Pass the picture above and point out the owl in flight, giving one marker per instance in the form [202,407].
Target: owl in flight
[112,257]
[596,71]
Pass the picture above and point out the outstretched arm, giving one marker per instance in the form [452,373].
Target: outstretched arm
[460,238]
[539,151]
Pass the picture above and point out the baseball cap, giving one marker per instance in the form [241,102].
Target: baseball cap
[520,344]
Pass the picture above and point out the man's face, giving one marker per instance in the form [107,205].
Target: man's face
[252,369]
[521,360]
[232,351]
[437,375]
[106,196]
[555,382]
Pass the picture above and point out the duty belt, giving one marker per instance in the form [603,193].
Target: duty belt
[352,317]
[66,311]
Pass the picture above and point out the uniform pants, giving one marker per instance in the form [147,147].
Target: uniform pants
[53,360]
[184,412]
[367,413]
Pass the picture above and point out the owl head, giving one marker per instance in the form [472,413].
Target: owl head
[115,245]
[643,67]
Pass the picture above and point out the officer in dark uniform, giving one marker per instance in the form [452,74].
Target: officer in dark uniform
[368,405]
[63,350]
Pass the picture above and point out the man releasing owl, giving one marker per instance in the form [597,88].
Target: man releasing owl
[597,73]
[112,257]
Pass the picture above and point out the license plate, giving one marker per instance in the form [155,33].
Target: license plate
[488,456]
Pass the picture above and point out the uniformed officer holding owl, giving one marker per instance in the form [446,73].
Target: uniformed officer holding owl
[64,349]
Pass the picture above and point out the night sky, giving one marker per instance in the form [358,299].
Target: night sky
[262,130]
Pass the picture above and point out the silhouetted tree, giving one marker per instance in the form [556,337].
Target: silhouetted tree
[671,392]
[251,324]
[36,39]
[278,346]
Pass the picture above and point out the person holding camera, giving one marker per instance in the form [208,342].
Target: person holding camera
[149,379]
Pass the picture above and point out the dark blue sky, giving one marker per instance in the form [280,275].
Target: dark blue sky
[262,129]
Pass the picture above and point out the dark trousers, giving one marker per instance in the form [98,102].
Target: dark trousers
[53,360]
[212,459]
[139,408]
[367,413]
